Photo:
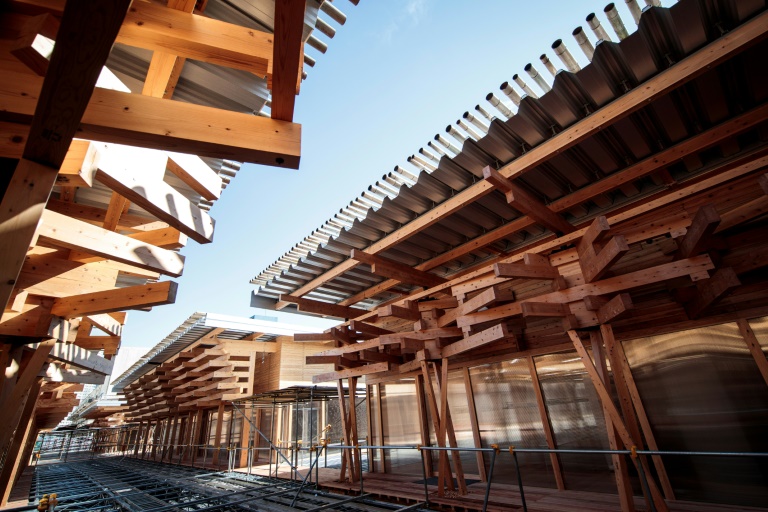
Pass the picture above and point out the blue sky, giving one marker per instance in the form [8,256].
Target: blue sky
[397,73]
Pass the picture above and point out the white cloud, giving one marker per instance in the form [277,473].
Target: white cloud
[411,13]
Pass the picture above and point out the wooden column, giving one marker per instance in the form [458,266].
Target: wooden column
[14,464]
[475,425]
[14,400]
[547,425]
[350,460]
[754,347]
[423,423]
[613,413]
[217,445]
[197,432]
[631,403]
[620,471]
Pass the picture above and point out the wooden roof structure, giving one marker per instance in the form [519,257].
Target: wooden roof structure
[627,200]
[117,137]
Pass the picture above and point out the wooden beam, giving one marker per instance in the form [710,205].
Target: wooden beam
[522,201]
[57,373]
[197,37]
[139,178]
[75,234]
[32,49]
[133,119]
[406,313]
[614,308]
[697,238]
[117,206]
[609,286]
[193,171]
[131,297]
[289,27]
[313,336]
[495,333]
[531,308]
[481,300]
[352,372]
[322,308]
[679,74]
[107,324]
[390,268]
[754,347]
[712,290]
[521,270]
[595,265]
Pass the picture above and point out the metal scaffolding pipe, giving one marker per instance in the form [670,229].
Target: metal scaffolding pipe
[476,122]
[520,82]
[548,64]
[634,10]
[594,23]
[511,93]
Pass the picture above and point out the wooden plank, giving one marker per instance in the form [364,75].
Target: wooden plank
[75,234]
[312,336]
[323,308]
[352,372]
[389,268]
[163,75]
[348,349]
[521,200]
[367,328]
[712,290]
[286,72]
[139,178]
[31,49]
[131,297]
[444,474]
[14,460]
[546,424]
[697,238]
[144,121]
[495,333]
[754,347]
[194,172]
[117,205]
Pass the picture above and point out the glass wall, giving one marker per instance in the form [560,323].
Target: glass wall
[508,414]
[400,419]
[703,392]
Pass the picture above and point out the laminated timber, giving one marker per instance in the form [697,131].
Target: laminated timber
[666,236]
[72,262]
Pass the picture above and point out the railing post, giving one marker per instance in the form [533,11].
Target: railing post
[519,477]
[424,474]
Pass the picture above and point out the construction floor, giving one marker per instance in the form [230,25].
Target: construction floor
[119,483]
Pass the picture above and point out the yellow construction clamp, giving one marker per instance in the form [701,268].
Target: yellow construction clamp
[312,448]
[633,452]
[495,448]
[512,450]
[52,502]
[43,505]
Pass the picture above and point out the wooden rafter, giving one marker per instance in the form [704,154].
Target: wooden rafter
[286,72]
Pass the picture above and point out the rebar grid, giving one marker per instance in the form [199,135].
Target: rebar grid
[133,485]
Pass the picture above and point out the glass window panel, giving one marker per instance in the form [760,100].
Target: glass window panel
[401,426]
[577,421]
[760,327]
[702,391]
[462,426]
[508,414]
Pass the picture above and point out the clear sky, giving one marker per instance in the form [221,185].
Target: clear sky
[397,73]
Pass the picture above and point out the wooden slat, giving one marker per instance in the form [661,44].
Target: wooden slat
[289,26]
[495,333]
[352,372]
[194,172]
[131,297]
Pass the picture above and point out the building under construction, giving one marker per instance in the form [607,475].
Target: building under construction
[559,303]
